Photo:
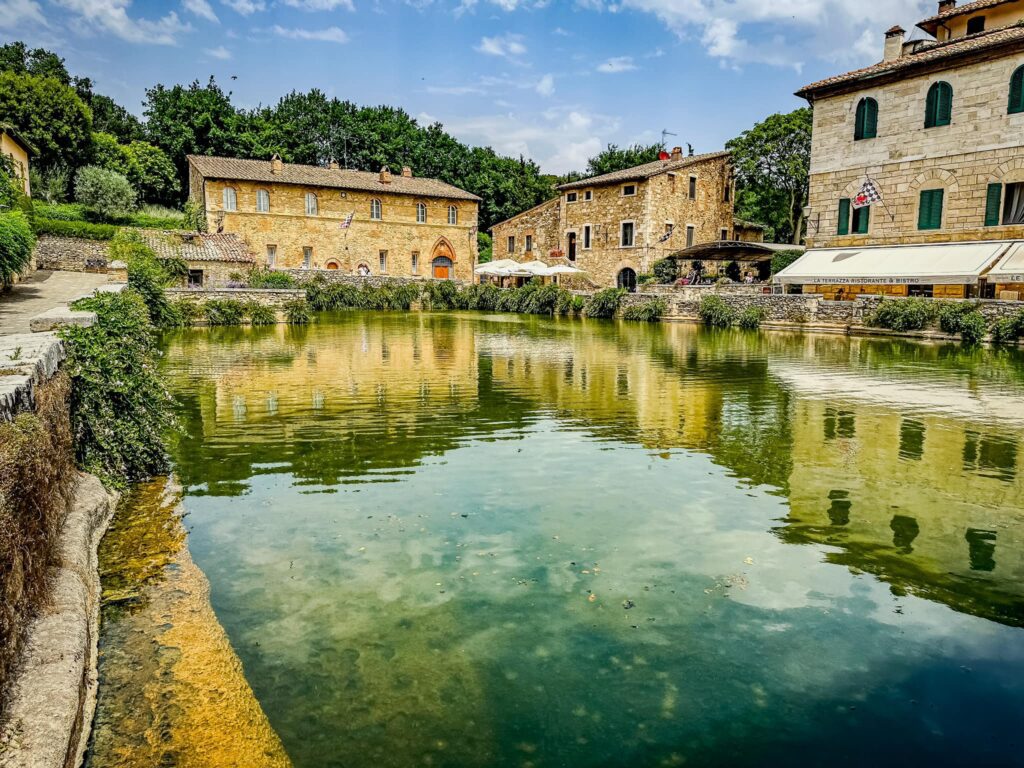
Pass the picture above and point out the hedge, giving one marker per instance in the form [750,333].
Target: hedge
[75,229]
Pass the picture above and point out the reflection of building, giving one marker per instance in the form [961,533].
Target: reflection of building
[18,150]
[936,127]
[331,218]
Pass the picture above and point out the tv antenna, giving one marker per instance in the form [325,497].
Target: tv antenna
[664,135]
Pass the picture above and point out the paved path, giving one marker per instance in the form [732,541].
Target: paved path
[42,291]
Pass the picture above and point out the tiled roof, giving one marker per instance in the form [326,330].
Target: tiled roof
[233,169]
[961,46]
[932,23]
[552,202]
[195,246]
[640,172]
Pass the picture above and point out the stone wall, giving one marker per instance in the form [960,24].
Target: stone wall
[71,254]
[541,224]
[276,298]
[303,276]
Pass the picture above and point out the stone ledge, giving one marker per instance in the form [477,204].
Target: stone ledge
[58,317]
[26,360]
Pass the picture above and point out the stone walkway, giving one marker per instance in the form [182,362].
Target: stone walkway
[43,291]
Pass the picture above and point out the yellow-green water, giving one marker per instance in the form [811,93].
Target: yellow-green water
[473,540]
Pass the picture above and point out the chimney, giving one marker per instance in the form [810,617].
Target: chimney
[946,5]
[894,43]
[406,172]
[677,153]
[385,175]
[333,165]
[276,164]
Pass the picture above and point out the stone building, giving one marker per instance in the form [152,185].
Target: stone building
[936,128]
[614,227]
[214,260]
[15,147]
[301,216]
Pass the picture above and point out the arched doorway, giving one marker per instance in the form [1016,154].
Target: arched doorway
[332,264]
[627,279]
[442,261]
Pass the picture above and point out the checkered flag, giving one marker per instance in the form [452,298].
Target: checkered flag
[348,221]
[869,195]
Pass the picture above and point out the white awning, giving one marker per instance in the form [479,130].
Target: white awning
[932,264]
[1010,269]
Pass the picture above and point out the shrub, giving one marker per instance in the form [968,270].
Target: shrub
[480,297]
[903,315]
[195,216]
[666,271]
[783,259]
[224,312]
[185,313]
[107,192]
[267,278]
[485,247]
[648,312]
[569,304]
[964,320]
[604,304]
[750,318]
[973,327]
[296,312]
[84,229]
[260,314]
[441,295]
[715,312]
[16,244]
[120,406]
[61,211]
[1009,330]
[147,274]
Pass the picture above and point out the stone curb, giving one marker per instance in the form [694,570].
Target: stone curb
[53,695]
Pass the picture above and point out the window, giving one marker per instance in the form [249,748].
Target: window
[1013,210]
[307,257]
[867,120]
[271,255]
[993,204]
[195,278]
[627,279]
[930,212]
[727,193]
[975,25]
[311,204]
[691,235]
[262,201]
[230,199]
[629,190]
[669,227]
[376,210]
[725,234]
[529,243]
[415,262]
[861,220]
[453,215]
[421,213]
[586,237]
[1017,92]
[939,105]
[693,188]
[588,196]
[844,217]
[382,259]
[511,243]
[627,238]
[571,197]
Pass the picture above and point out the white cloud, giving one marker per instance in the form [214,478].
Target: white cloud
[220,52]
[202,9]
[507,46]
[14,13]
[112,16]
[327,35]
[455,90]
[246,7]
[321,5]
[546,86]
[617,64]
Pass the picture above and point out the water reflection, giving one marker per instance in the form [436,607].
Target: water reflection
[490,540]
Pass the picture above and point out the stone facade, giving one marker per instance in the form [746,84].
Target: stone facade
[590,218]
[387,233]
[71,254]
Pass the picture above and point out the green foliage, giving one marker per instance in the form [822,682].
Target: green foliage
[195,216]
[485,247]
[110,117]
[50,115]
[604,304]
[534,298]
[152,173]
[732,271]
[1009,330]
[903,314]
[750,318]
[120,407]
[224,312]
[647,312]
[783,259]
[44,226]
[440,295]
[569,304]
[614,158]
[184,313]
[107,192]
[963,319]
[715,312]
[61,211]
[16,244]
[268,278]
[260,314]
[772,162]
[147,275]
[323,295]
[482,297]
[666,271]
[50,184]
[297,312]
[107,153]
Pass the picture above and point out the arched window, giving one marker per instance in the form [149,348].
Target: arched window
[311,204]
[453,215]
[627,279]
[867,120]
[421,213]
[939,106]
[230,199]
[375,210]
[1017,92]
[262,201]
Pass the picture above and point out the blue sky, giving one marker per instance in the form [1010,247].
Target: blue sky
[555,80]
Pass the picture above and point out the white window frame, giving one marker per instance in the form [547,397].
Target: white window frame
[588,237]
[453,215]
[376,210]
[382,261]
[307,257]
[588,195]
[691,188]
[691,235]
[629,186]
[421,213]
[230,199]
[414,262]
[271,255]
[262,201]
[312,204]
[572,197]
[622,232]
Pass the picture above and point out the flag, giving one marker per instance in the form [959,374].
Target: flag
[868,195]
[348,220]
[664,238]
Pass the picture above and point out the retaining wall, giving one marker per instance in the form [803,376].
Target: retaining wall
[303,276]
[268,297]
[71,254]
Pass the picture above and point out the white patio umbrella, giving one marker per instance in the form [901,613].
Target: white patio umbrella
[562,269]
[535,268]
[496,267]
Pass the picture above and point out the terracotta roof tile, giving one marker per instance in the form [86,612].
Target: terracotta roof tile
[641,172]
[932,23]
[952,49]
[233,169]
[195,246]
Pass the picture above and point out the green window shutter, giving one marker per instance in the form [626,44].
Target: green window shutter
[862,220]
[939,105]
[930,214]
[844,217]
[945,104]
[871,120]
[992,201]
[930,108]
[1017,92]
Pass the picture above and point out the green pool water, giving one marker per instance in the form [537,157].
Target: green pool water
[487,540]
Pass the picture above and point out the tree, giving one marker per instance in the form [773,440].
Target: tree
[48,114]
[614,158]
[16,243]
[110,117]
[108,193]
[108,153]
[772,162]
[152,173]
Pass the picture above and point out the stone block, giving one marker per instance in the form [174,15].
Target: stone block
[59,317]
